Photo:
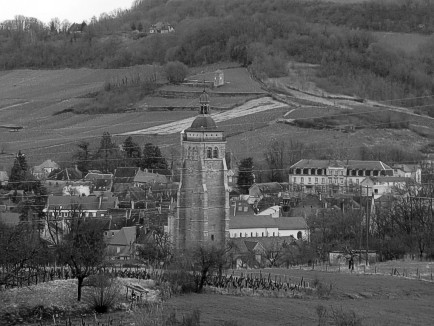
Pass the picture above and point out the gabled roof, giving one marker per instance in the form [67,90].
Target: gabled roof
[79,202]
[291,223]
[317,164]
[124,237]
[266,221]
[149,177]
[97,176]
[125,174]
[349,164]
[48,164]
[66,174]
[367,165]
[251,221]
[268,187]
[407,167]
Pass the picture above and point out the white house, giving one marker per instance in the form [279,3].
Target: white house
[379,186]
[411,171]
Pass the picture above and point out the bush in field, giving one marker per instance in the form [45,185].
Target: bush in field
[175,72]
[104,293]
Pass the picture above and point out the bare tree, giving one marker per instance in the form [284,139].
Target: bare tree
[82,249]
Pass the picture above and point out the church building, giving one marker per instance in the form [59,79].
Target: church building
[202,213]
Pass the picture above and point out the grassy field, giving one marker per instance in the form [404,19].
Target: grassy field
[374,299]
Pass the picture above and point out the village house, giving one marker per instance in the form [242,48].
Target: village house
[161,28]
[43,170]
[411,171]
[90,206]
[101,182]
[121,243]
[378,186]
[146,178]
[268,189]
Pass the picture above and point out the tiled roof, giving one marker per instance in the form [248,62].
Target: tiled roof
[367,165]
[97,176]
[124,237]
[268,187]
[46,164]
[291,223]
[148,177]
[317,164]
[80,202]
[251,221]
[125,174]
[266,221]
[349,164]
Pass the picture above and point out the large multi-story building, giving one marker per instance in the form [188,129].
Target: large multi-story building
[334,176]
[202,213]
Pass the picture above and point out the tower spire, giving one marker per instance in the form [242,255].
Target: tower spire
[204,102]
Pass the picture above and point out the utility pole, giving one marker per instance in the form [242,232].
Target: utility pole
[367,226]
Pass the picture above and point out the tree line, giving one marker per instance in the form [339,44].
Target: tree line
[262,36]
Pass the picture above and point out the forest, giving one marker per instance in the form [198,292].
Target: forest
[263,36]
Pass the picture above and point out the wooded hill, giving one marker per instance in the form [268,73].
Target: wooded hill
[264,36]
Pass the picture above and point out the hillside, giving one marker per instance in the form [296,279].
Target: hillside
[37,100]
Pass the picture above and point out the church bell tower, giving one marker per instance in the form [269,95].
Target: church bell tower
[202,213]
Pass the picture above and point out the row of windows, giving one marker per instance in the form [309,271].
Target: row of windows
[69,214]
[192,153]
[354,173]
[334,180]
[264,234]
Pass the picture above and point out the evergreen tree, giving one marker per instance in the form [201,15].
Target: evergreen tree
[153,159]
[19,172]
[83,157]
[108,156]
[132,152]
[245,175]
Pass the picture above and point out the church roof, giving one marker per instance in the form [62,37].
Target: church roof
[203,122]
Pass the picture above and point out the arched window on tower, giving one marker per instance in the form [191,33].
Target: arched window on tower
[194,153]
[215,153]
[189,153]
[208,152]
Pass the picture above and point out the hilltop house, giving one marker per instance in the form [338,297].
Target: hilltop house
[161,28]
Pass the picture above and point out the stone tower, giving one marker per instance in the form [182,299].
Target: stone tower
[202,213]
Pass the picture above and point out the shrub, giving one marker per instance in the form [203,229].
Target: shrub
[175,72]
[345,318]
[181,281]
[323,290]
[104,294]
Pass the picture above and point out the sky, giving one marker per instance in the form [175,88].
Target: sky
[75,11]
